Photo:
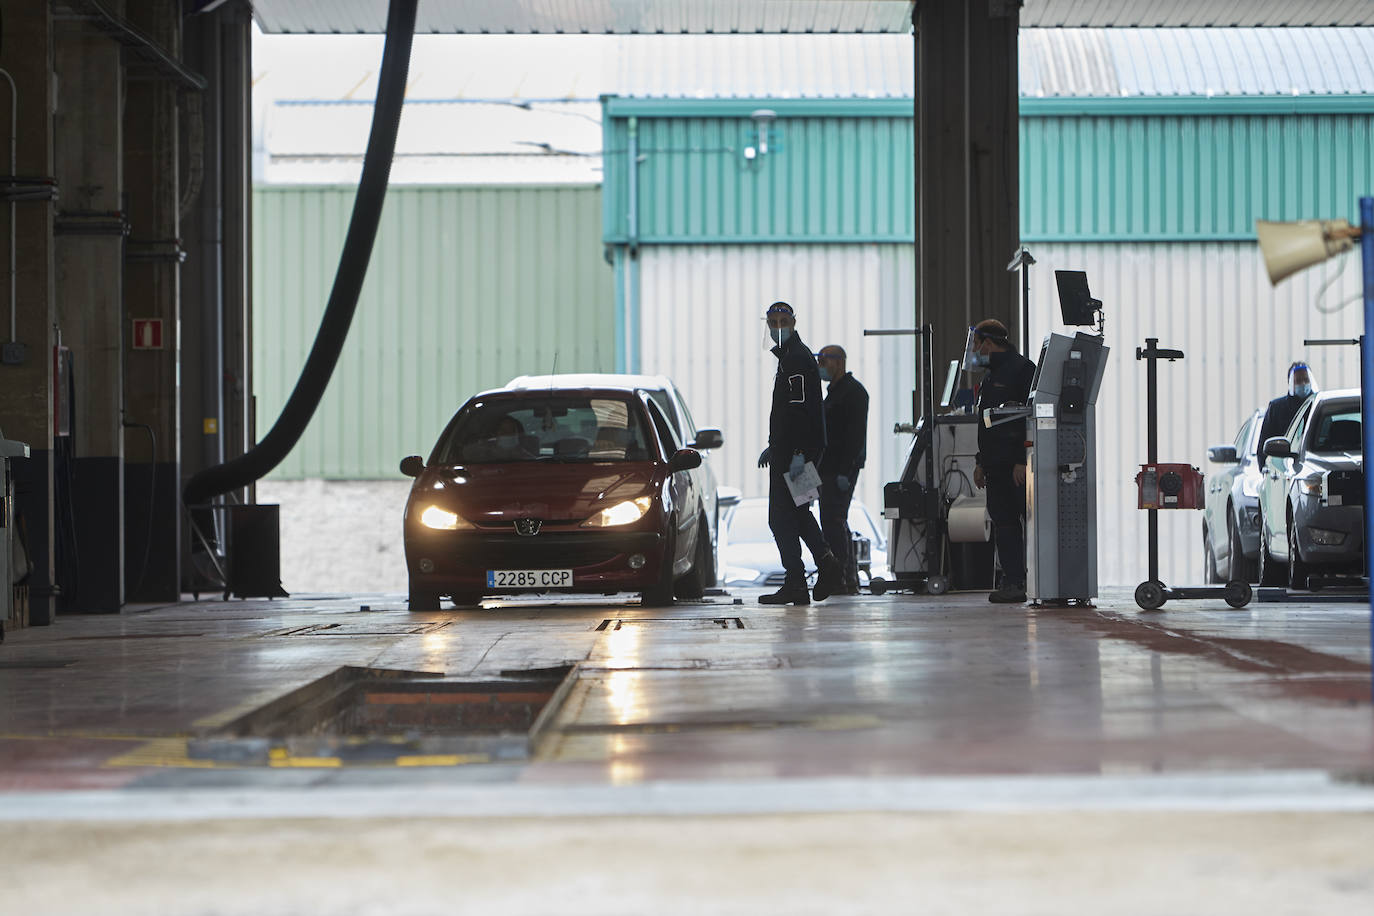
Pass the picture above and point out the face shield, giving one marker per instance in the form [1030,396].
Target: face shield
[973,361]
[1301,380]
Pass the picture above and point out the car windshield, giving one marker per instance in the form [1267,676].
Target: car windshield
[1338,431]
[555,428]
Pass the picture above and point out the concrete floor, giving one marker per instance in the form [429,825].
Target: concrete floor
[857,756]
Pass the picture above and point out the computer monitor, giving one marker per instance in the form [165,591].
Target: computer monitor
[1076,304]
[951,383]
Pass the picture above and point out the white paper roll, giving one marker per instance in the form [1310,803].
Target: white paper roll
[968,520]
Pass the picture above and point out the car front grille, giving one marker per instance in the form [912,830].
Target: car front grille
[551,551]
[1348,486]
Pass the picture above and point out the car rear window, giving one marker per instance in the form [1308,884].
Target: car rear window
[562,428]
[1338,431]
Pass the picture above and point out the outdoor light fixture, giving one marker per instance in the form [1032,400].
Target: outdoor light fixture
[1291,247]
[762,117]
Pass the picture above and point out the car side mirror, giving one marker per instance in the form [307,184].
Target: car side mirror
[1222,454]
[708,438]
[1278,447]
[412,465]
[684,459]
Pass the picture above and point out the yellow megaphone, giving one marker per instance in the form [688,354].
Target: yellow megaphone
[1291,247]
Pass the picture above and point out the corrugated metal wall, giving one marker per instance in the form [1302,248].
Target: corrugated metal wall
[1163,178]
[467,288]
[702,325]
[845,179]
[1213,302]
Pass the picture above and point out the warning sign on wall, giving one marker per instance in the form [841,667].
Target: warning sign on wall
[147,333]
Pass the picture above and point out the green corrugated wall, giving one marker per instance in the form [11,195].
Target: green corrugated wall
[1091,170]
[467,288]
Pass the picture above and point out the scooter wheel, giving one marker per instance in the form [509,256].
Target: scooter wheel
[1237,594]
[937,585]
[1150,595]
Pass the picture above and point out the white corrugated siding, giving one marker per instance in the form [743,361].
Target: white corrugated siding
[701,323]
[1213,302]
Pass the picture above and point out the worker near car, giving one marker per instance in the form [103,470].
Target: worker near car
[796,435]
[1001,461]
[1281,411]
[846,448]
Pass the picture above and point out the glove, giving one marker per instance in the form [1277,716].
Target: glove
[763,458]
[843,481]
[798,462]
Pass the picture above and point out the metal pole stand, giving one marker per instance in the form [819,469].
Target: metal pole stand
[1151,594]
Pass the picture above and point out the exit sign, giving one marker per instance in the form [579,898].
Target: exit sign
[147,333]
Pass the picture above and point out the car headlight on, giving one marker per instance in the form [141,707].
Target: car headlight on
[622,513]
[442,519]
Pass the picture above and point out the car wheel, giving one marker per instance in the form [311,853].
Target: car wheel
[660,594]
[1270,572]
[1298,571]
[423,599]
[1210,576]
[693,585]
[1242,569]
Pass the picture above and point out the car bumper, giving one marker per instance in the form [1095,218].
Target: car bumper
[1320,530]
[450,562]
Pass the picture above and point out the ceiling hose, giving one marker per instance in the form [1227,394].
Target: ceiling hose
[348,280]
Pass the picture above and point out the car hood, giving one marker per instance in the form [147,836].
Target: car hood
[759,555]
[491,494]
[1335,461]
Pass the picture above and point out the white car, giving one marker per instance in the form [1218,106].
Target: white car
[749,556]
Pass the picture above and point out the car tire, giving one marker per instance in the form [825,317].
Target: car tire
[1210,576]
[693,585]
[660,594]
[1298,571]
[1270,572]
[1243,569]
[423,599]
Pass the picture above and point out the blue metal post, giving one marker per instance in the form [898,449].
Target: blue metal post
[1366,401]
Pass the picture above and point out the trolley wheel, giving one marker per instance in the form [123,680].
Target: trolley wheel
[877,586]
[1237,593]
[1150,595]
[937,585]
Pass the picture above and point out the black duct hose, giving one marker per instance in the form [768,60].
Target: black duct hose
[348,280]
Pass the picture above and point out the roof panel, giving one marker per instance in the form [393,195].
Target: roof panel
[1195,13]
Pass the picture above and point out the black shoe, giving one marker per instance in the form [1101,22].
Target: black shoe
[788,594]
[829,578]
[1009,594]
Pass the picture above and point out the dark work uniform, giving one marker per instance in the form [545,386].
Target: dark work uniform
[1277,416]
[1000,448]
[796,425]
[846,428]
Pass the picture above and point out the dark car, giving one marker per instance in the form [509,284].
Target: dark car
[1312,494]
[559,490]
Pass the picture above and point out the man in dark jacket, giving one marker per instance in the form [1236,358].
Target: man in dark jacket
[846,428]
[1001,461]
[1284,408]
[796,435]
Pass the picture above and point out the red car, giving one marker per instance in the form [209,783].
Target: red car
[559,490]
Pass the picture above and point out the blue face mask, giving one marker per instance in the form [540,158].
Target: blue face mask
[1302,391]
[825,373]
[779,335]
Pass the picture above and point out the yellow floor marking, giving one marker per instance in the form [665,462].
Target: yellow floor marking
[288,761]
[439,760]
[160,752]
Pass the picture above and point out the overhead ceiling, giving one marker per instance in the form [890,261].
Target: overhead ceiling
[779,16]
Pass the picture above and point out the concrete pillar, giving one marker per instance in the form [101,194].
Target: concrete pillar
[967,165]
[152,292]
[89,245]
[26,372]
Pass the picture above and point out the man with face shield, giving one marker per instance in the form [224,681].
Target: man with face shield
[1001,460]
[796,435]
[1284,408]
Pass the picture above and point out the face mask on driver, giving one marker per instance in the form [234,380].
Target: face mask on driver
[507,441]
